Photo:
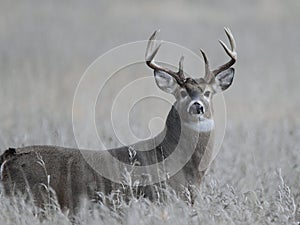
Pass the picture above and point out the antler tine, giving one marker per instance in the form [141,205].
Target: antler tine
[207,75]
[150,45]
[231,39]
[180,71]
[149,58]
[231,52]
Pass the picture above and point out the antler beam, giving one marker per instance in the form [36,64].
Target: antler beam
[230,52]
[151,51]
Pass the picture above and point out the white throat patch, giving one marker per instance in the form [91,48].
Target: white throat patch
[201,126]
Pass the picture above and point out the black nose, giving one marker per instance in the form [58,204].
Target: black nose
[196,108]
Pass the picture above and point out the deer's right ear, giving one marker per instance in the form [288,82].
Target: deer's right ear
[223,80]
[165,81]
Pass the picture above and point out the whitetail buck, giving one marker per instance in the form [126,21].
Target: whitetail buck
[189,126]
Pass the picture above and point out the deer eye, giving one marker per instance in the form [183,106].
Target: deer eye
[183,93]
[206,94]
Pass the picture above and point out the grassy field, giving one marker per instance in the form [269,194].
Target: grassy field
[45,47]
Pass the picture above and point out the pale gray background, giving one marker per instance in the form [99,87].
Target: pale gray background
[46,46]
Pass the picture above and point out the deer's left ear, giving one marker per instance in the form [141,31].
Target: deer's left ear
[223,80]
[165,82]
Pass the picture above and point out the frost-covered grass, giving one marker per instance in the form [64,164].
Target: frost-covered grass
[215,204]
[243,186]
[255,179]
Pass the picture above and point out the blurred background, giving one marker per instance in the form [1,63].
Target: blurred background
[45,47]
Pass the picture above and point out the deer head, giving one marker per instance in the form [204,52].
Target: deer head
[193,96]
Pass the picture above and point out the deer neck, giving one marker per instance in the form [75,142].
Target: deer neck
[196,133]
[186,138]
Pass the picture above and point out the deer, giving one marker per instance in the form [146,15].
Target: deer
[189,127]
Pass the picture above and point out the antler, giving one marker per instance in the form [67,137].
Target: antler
[231,52]
[149,58]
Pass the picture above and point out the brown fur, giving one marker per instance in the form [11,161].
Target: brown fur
[34,169]
[73,179]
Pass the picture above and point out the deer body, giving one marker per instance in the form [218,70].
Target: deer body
[189,126]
